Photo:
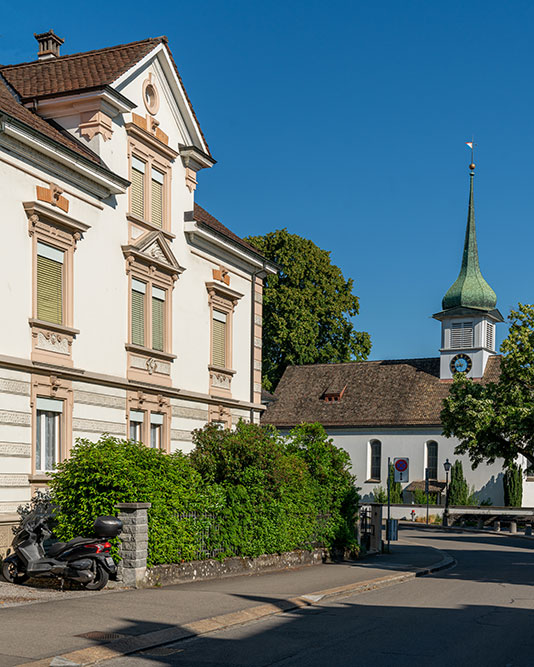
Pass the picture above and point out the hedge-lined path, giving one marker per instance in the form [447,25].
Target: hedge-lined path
[50,628]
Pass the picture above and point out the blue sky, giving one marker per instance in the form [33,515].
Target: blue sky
[345,122]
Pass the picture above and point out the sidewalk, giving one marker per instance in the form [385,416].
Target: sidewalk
[136,619]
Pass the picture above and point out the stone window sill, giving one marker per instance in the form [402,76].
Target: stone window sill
[150,226]
[220,369]
[50,326]
[148,352]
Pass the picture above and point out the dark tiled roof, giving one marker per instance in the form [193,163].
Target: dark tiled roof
[202,216]
[82,71]
[11,106]
[404,392]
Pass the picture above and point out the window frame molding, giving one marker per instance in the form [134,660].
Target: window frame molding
[57,389]
[52,342]
[224,300]
[144,363]
[370,477]
[156,155]
[427,443]
[149,403]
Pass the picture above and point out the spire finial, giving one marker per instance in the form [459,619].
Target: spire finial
[472,145]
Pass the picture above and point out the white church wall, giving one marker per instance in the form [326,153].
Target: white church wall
[410,443]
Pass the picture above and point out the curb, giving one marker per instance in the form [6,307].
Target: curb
[122,647]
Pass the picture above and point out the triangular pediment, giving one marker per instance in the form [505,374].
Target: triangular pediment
[154,248]
[160,64]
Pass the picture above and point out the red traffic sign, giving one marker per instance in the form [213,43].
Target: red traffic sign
[401,465]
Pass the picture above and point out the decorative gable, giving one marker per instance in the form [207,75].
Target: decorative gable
[152,249]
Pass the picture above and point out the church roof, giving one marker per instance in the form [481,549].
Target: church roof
[398,392]
[470,290]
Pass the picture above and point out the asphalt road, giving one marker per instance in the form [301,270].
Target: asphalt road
[480,612]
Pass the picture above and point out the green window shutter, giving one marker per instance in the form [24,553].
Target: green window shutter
[157,198]
[49,290]
[137,188]
[158,322]
[138,314]
[219,339]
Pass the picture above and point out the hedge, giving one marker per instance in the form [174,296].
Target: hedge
[246,492]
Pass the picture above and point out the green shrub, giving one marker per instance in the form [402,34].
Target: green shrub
[280,493]
[419,497]
[458,489]
[395,488]
[380,495]
[100,474]
[513,486]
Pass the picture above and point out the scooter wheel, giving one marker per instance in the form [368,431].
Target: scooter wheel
[11,572]
[100,580]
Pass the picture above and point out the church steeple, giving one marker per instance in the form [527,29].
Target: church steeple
[469,311]
[470,289]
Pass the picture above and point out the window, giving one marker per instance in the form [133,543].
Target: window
[137,418]
[158,319]
[489,336]
[376,458]
[137,188]
[49,284]
[154,338]
[138,312]
[432,459]
[461,335]
[48,434]
[156,430]
[156,207]
[218,341]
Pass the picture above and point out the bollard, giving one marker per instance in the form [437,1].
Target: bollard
[528,529]
[513,526]
[497,526]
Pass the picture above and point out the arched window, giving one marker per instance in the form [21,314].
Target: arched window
[432,459]
[375,447]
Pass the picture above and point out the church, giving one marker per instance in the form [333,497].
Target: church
[377,410]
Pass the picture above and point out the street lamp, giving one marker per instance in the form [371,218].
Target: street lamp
[447,465]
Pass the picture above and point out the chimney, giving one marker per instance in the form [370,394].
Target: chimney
[49,44]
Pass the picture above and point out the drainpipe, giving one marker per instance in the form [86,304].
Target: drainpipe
[256,274]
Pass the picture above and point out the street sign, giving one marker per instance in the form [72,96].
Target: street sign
[401,469]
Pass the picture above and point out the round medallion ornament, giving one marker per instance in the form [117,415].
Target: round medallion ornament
[150,97]
[461,363]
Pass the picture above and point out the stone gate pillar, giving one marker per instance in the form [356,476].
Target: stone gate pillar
[134,542]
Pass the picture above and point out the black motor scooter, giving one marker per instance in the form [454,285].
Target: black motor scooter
[82,559]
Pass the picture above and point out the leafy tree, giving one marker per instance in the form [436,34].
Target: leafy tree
[513,486]
[395,489]
[419,497]
[496,419]
[307,308]
[458,488]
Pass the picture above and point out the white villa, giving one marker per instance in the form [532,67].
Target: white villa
[128,308]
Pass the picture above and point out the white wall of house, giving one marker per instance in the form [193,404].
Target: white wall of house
[99,384]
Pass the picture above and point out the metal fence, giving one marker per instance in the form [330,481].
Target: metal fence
[206,529]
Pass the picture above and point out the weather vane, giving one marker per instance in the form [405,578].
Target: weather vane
[472,145]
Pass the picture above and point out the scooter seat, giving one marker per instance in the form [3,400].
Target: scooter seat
[59,547]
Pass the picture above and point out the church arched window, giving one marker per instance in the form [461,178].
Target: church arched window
[432,459]
[375,450]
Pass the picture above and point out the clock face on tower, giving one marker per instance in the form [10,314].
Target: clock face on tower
[461,363]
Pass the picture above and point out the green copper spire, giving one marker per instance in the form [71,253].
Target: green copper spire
[470,289]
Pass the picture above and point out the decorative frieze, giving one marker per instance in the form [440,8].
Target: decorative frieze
[18,449]
[13,480]
[53,195]
[52,342]
[189,413]
[100,400]
[12,418]
[97,426]
[152,365]
[14,387]
[179,434]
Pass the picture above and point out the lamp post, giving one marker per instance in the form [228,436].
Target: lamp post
[447,465]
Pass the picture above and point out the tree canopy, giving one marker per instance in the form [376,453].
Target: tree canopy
[307,308]
[496,420]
